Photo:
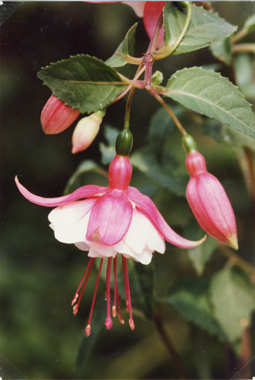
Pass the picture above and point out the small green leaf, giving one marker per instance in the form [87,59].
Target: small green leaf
[233,298]
[147,164]
[204,29]
[125,48]
[157,78]
[189,296]
[82,82]
[223,133]
[210,94]
[222,50]
[249,24]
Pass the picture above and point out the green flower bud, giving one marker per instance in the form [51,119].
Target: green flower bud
[189,144]
[124,143]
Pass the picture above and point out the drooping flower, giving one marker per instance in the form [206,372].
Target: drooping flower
[108,220]
[86,131]
[208,199]
[56,116]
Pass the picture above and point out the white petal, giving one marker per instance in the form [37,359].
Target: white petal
[70,221]
[144,258]
[154,240]
[82,246]
[122,247]
[135,237]
[103,250]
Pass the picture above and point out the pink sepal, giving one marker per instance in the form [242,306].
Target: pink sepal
[82,192]
[211,207]
[146,205]
[110,218]
[151,14]
[56,116]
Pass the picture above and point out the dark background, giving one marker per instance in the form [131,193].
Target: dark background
[40,335]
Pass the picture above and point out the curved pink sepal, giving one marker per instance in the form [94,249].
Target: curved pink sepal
[82,192]
[110,218]
[151,13]
[146,205]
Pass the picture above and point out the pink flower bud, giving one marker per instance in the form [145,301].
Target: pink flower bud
[86,130]
[209,202]
[56,116]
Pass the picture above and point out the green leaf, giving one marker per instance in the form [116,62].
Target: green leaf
[146,163]
[233,298]
[210,94]
[161,125]
[190,298]
[78,178]
[204,29]
[157,78]
[249,24]
[125,48]
[201,254]
[82,82]
[244,67]
[223,133]
[222,50]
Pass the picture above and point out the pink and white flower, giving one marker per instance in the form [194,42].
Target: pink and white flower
[209,202]
[108,220]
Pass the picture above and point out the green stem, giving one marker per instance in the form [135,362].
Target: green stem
[167,341]
[167,50]
[239,35]
[163,103]
[244,48]
[237,260]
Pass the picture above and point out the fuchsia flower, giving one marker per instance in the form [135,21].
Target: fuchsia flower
[56,116]
[209,202]
[106,221]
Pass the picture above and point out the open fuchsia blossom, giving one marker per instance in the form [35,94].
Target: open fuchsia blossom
[56,116]
[108,220]
[208,199]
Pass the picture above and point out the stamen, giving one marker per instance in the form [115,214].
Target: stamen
[125,282]
[108,321]
[89,266]
[76,296]
[125,273]
[116,294]
[88,327]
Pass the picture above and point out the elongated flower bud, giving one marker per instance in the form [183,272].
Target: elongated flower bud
[208,201]
[56,116]
[86,130]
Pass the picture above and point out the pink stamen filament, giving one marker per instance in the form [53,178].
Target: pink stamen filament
[88,328]
[89,266]
[116,294]
[127,291]
[108,321]
[76,296]
[125,282]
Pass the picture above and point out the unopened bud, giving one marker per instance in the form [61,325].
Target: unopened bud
[56,116]
[86,131]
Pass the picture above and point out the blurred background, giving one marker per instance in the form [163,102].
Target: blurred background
[39,276]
